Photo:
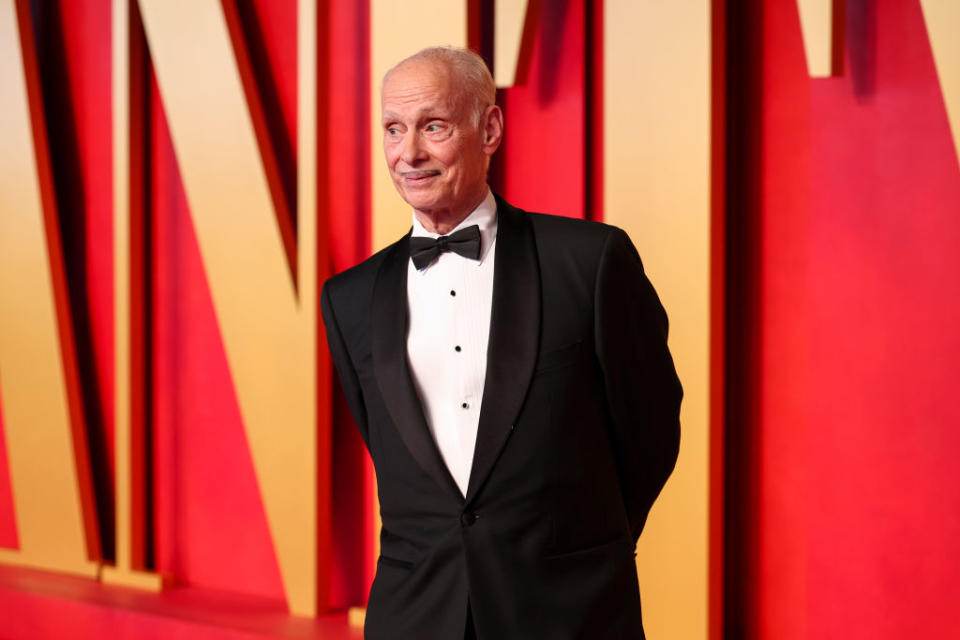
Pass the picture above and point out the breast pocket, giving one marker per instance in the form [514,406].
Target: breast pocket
[561,356]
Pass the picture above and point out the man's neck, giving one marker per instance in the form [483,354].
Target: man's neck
[443,222]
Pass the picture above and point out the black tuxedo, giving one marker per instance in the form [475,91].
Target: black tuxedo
[578,432]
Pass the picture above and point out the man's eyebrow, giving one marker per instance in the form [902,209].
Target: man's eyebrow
[427,112]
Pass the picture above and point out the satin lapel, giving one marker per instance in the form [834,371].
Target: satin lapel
[514,339]
[390,321]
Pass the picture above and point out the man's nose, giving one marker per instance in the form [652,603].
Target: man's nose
[412,150]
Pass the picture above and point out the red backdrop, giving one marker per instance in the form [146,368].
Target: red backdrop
[846,206]
[843,195]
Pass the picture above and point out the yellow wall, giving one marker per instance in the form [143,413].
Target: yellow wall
[656,162]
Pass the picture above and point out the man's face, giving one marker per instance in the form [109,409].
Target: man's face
[436,155]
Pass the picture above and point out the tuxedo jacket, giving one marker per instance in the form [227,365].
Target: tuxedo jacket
[578,431]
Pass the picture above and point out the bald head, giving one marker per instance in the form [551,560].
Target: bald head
[468,73]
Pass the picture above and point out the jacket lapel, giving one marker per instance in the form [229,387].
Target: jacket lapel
[514,339]
[390,320]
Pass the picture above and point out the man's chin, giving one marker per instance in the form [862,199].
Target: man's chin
[421,200]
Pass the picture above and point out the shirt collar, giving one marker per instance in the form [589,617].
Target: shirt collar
[484,216]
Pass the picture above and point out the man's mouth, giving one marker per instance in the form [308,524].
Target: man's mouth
[414,177]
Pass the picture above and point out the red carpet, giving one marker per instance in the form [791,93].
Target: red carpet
[37,605]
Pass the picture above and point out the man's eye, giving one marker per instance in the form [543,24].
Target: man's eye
[393,131]
[434,127]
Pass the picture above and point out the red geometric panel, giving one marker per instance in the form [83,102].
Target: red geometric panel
[211,529]
[73,49]
[277,25]
[540,165]
[860,487]
[8,522]
[345,217]
[86,48]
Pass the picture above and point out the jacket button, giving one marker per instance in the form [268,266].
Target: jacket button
[467,518]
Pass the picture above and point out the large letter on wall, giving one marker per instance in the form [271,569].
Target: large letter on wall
[656,162]
[510,28]
[819,26]
[42,414]
[267,317]
[942,18]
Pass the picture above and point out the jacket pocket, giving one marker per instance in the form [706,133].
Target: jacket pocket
[617,546]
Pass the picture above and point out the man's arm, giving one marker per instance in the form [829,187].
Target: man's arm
[643,392]
[341,359]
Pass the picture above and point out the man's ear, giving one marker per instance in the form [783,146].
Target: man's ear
[491,129]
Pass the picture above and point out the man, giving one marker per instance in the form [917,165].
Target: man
[509,374]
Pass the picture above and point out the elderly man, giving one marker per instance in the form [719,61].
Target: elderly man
[509,374]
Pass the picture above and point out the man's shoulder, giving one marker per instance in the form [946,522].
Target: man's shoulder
[575,230]
[572,236]
[571,232]
[360,276]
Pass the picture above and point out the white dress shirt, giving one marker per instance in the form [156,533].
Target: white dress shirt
[449,305]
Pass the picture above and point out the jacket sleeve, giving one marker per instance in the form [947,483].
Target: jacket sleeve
[642,388]
[341,360]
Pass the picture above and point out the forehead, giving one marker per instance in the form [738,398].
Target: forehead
[418,86]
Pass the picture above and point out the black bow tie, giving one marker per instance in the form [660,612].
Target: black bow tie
[465,242]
